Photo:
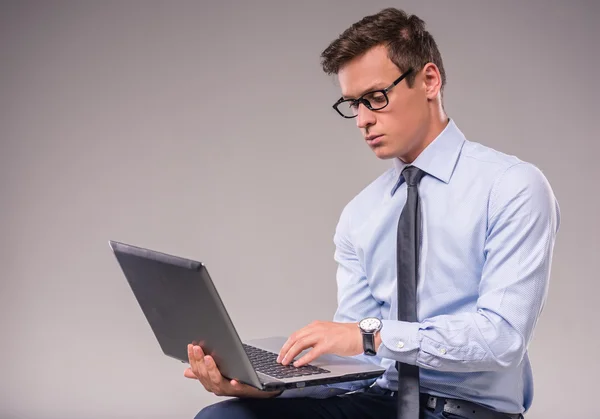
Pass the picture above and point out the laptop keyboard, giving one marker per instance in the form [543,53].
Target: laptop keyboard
[266,362]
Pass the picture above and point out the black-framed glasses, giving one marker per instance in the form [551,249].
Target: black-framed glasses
[373,100]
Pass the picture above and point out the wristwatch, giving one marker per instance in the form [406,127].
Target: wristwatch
[369,327]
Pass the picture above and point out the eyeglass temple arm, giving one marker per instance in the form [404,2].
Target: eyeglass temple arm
[399,79]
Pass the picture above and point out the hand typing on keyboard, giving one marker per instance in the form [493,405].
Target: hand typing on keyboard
[266,362]
[342,339]
[204,369]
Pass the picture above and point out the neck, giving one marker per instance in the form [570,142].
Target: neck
[437,125]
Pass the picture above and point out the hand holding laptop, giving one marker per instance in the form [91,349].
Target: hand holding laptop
[182,306]
[342,339]
[204,369]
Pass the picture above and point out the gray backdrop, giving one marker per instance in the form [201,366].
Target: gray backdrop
[205,129]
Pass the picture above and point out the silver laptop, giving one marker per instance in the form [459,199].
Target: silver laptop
[182,306]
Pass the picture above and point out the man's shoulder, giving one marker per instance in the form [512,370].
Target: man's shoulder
[508,176]
[478,154]
[482,159]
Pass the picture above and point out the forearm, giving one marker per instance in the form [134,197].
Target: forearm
[466,342]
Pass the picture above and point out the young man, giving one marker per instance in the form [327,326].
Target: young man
[453,287]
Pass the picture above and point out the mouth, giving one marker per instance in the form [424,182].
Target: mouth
[373,140]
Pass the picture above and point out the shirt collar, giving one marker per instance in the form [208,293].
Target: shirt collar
[439,158]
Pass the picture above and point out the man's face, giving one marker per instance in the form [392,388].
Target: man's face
[400,129]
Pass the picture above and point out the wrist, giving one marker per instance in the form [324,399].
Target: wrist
[359,340]
[371,339]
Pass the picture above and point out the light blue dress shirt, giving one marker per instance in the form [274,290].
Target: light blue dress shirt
[489,223]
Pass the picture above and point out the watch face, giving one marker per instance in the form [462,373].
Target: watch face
[370,324]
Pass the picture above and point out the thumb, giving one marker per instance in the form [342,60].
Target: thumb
[241,388]
[236,385]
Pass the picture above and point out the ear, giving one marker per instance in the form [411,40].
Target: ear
[432,80]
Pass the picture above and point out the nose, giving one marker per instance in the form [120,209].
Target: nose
[364,117]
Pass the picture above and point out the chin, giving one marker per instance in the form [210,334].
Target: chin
[383,153]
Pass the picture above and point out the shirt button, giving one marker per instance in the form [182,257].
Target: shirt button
[443,351]
[400,345]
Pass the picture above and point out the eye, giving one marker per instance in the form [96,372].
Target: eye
[376,97]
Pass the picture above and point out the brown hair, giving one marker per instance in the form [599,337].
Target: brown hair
[409,44]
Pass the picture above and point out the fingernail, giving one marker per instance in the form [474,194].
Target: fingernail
[206,360]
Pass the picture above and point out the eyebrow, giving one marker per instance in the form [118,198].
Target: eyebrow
[369,89]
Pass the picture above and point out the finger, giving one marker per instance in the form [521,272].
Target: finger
[294,337]
[200,370]
[188,373]
[288,344]
[309,356]
[241,388]
[212,371]
[192,359]
[220,385]
[298,347]
[286,347]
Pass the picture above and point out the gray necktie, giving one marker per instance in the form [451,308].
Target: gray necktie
[407,266]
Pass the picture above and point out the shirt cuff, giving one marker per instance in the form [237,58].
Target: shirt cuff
[400,341]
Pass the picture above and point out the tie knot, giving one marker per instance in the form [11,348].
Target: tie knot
[412,175]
